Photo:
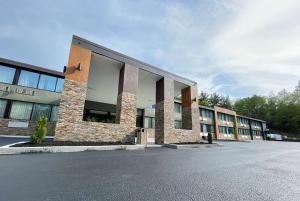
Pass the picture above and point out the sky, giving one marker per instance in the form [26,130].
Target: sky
[232,47]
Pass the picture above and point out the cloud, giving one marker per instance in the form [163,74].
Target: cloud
[232,47]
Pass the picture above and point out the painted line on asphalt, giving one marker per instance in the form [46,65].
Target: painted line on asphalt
[23,136]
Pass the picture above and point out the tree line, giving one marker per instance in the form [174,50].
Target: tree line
[281,110]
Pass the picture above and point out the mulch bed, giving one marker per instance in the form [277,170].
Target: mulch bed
[68,143]
[182,143]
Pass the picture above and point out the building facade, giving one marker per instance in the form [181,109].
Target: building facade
[104,95]
[27,92]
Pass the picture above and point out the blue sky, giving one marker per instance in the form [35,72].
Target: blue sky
[236,48]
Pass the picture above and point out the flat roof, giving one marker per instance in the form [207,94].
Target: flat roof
[126,59]
[250,118]
[25,66]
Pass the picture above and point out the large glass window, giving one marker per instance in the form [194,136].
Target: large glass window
[3,104]
[28,79]
[7,74]
[40,110]
[54,113]
[47,82]
[59,85]
[20,110]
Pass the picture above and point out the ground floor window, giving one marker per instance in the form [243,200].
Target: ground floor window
[225,130]
[54,113]
[28,111]
[149,122]
[244,131]
[178,124]
[207,128]
[40,110]
[3,104]
[21,110]
[257,133]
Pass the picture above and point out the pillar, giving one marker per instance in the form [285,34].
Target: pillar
[164,109]
[127,96]
[74,94]
[190,109]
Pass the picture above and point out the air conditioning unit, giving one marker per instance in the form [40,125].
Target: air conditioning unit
[204,119]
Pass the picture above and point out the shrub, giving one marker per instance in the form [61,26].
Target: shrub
[209,138]
[40,132]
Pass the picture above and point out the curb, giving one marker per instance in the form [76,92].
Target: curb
[192,146]
[64,149]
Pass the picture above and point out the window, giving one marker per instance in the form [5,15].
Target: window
[177,107]
[54,113]
[3,104]
[149,122]
[7,74]
[20,110]
[40,110]
[59,85]
[47,82]
[28,79]
[178,124]
[229,130]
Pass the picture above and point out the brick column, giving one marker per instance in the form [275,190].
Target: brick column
[164,109]
[127,96]
[190,109]
[73,94]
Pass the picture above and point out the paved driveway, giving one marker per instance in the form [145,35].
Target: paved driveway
[237,171]
[9,140]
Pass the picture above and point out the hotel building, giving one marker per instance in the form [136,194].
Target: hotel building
[104,95]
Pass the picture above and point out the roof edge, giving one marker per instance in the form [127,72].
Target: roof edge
[30,67]
[127,59]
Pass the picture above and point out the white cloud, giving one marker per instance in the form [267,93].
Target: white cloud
[263,37]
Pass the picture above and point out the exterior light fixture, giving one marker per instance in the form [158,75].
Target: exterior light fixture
[79,67]
[65,69]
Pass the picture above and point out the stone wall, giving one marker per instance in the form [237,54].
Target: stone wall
[71,127]
[5,130]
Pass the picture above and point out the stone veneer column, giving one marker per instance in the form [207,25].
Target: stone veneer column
[73,95]
[217,133]
[164,109]
[127,96]
[235,126]
[190,109]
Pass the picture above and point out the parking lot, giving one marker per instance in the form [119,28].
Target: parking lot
[236,171]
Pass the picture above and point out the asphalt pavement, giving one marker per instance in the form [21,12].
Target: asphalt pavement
[237,171]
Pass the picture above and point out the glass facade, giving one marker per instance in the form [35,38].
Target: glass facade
[21,110]
[47,82]
[54,113]
[28,79]
[3,104]
[59,85]
[7,74]
[177,107]
[40,110]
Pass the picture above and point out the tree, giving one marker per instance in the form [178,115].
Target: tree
[225,102]
[203,99]
[214,99]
